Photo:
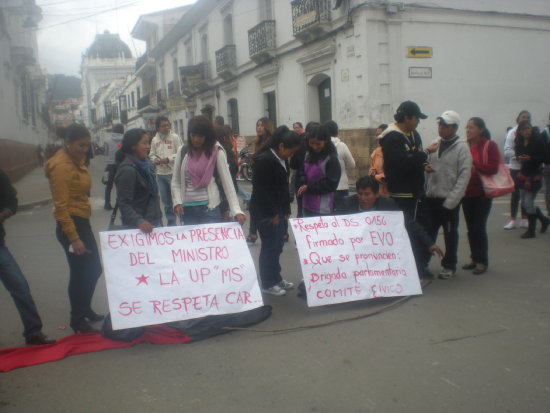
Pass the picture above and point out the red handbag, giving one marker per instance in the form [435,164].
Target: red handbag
[499,184]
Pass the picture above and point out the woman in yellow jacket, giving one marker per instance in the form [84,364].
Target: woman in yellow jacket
[70,183]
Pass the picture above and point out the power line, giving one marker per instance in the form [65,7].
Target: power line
[89,15]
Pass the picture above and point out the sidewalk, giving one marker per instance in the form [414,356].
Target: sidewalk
[33,189]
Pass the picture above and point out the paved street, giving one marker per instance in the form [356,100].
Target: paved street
[470,344]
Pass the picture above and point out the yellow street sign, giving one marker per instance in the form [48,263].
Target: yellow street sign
[419,52]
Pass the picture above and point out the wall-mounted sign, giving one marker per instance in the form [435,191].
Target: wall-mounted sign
[420,72]
[419,52]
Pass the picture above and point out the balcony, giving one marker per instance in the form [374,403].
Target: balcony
[145,66]
[22,56]
[161,98]
[310,19]
[226,61]
[143,102]
[194,79]
[261,41]
[173,89]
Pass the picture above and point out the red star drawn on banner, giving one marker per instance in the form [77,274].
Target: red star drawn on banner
[142,279]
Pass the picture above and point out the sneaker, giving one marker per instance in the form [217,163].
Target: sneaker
[524,223]
[446,273]
[286,285]
[275,290]
[511,224]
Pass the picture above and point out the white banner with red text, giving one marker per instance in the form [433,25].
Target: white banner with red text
[178,273]
[355,257]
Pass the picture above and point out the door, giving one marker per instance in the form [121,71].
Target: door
[325,100]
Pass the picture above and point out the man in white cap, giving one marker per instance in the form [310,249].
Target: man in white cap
[447,176]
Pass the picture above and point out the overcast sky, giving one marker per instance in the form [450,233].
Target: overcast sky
[69,27]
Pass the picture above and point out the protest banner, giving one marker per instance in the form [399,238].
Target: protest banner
[355,257]
[178,273]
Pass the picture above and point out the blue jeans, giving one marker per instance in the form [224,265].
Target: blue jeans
[15,283]
[528,201]
[200,214]
[243,194]
[165,189]
[272,247]
[84,269]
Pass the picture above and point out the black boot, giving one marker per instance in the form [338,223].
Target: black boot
[80,325]
[543,221]
[530,233]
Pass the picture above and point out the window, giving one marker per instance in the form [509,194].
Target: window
[266,12]
[133,99]
[204,48]
[138,93]
[233,115]
[270,107]
[228,29]
[175,76]
[188,52]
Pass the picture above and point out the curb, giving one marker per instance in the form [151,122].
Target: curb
[33,204]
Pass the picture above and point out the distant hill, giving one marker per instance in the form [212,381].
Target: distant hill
[64,87]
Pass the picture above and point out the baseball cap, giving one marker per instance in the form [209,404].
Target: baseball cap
[409,108]
[449,117]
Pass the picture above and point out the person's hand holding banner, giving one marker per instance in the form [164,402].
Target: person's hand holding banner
[178,273]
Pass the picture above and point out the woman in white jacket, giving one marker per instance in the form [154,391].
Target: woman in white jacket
[202,179]
[347,163]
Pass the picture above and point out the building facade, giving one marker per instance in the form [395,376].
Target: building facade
[348,60]
[107,59]
[22,88]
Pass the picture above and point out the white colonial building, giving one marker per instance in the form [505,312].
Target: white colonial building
[348,60]
[22,87]
[107,59]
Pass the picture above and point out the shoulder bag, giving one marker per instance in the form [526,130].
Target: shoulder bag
[499,184]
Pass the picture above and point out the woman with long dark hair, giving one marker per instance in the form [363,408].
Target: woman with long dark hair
[137,191]
[70,183]
[320,173]
[531,153]
[270,205]
[264,130]
[201,177]
[475,205]
[224,136]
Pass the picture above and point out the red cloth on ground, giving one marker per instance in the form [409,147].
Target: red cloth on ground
[13,358]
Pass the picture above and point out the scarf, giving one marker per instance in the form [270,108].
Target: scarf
[201,168]
[144,168]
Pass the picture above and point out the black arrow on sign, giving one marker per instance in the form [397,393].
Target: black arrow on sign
[414,52]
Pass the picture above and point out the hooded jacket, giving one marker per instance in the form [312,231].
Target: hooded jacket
[113,145]
[135,202]
[403,162]
[452,173]
[346,163]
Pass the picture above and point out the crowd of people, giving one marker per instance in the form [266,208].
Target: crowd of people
[195,181]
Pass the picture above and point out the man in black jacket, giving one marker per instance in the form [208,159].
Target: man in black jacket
[404,158]
[368,199]
[11,274]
